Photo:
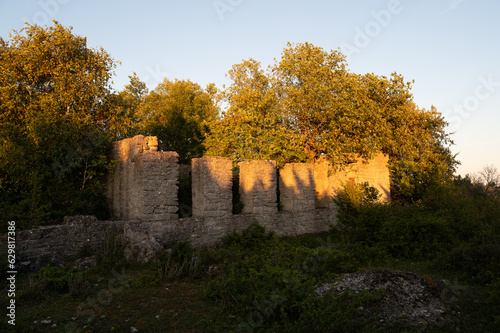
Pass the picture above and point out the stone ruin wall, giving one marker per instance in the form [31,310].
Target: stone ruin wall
[212,186]
[258,183]
[143,197]
[144,185]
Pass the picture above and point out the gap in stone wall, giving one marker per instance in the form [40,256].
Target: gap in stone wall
[278,192]
[236,200]
[185,195]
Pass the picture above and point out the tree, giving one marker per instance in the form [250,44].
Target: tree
[308,105]
[252,127]
[488,178]
[175,112]
[123,107]
[53,145]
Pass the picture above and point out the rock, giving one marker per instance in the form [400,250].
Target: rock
[408,298]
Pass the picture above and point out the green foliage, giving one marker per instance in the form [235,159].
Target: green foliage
[122,109]
[455,226]
[254,236]
[55,278]
[309,105]
[176,112]
[252,127]
[351,199]
[411,232]
[329,314]
[111,253]
[53,143]
[181,262]
[494,300]
[269,282]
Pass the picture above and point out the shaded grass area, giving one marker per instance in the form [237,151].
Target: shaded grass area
[252,282]
[116,302]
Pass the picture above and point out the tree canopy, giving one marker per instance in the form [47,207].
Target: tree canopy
[176,112]
[53,146]
[309,105]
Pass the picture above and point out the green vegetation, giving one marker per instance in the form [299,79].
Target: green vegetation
[255,281]
[53,142]
[308,105]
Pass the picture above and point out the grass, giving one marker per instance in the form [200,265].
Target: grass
[141,296]
[112,307]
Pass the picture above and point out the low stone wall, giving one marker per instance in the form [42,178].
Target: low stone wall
[38,247]
[55,245]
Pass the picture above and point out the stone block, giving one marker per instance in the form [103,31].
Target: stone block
[297,188]
[212,181]
[144,180]
[258,186]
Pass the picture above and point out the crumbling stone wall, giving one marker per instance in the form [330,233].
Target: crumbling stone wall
[322,186]
[144,183]
[144,186]
[212,186]
[376,173]
[144,189]
[258,185]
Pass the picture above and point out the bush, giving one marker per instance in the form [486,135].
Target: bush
[253,236]
[111,253]
[413,232]
[55,278]
[329,314]
[270,282]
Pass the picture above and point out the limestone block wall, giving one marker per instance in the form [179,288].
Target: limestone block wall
[212,186]
[144,186]
[374,171]
[297,187]
[377,175]
[144,183]
[322,184]
[258,185]
[143,194]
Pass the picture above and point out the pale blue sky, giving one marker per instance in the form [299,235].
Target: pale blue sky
[449,47]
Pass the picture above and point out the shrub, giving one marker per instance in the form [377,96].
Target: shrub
[55,278]
[182,261]
[111,253]
[413,232]
[253,236]
[350,199]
